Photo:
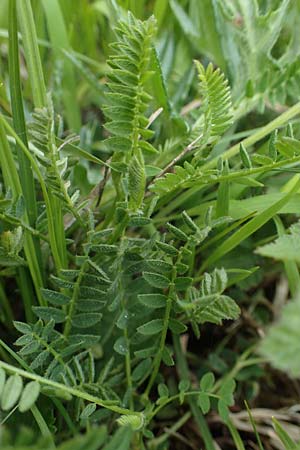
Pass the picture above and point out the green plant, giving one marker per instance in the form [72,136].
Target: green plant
[121,248]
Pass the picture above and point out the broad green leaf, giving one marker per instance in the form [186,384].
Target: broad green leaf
[167,357]
[207,381]
[88,411]
[120,346]
[54,297]
[11,392]
[281,346]
[153,300]
[86,320]
[142,369]
[177,327]
[31,347]
[223,410]
[167,248]
[22,327]
[183,283]
[285,248]
[163,390]
[203,401]
[48,313]
[29,396]
[159,265]
[226,391]
[153,327]
[156,280]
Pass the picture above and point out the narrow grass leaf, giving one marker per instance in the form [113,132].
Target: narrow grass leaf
[249,228]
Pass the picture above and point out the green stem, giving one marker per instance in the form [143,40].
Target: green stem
[128,368]
[74,299]
[258,135]
[67,389]
[183,372]
[158,357]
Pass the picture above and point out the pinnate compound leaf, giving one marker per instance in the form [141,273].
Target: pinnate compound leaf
[215,309]
[216,97]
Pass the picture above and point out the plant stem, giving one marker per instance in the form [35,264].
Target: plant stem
[183,373]
[258,135]
[158,357]
[73,301]
[67,389]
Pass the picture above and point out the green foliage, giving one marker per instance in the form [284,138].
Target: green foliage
[127,260]
[216,99]
[285,248]
[12,392]
[282,340]
[208,304]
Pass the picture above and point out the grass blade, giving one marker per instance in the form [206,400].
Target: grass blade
[33,60]
[249,228]
[12,181]
[59,40]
